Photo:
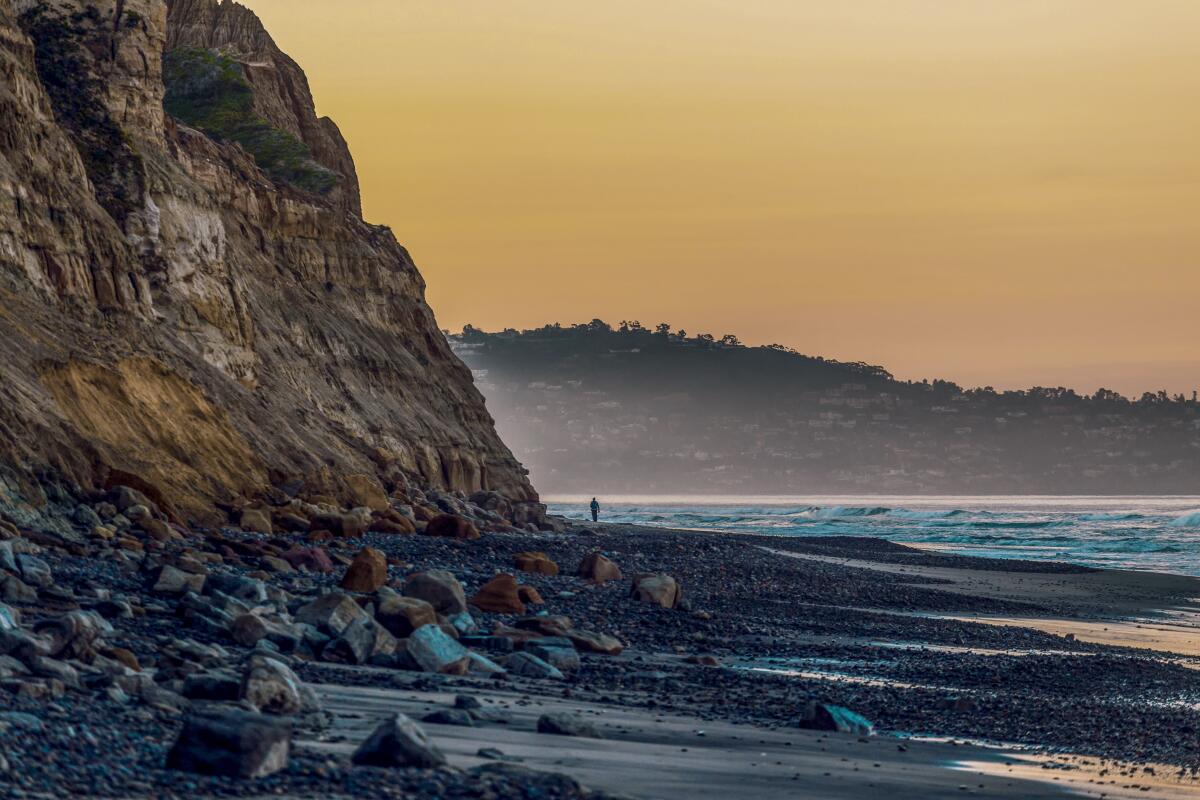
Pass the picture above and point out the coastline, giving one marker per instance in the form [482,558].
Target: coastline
[981,676]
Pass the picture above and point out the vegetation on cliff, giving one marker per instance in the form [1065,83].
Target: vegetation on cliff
[208,91]
[63,47]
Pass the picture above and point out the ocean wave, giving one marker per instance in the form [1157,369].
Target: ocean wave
[1030,524]
[904,513]
[1113,517]
[1188,520]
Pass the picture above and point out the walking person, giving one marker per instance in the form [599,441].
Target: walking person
[595,510]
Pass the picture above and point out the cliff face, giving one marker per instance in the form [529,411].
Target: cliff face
[203,313]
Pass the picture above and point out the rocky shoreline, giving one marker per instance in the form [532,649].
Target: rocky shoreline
[139,658]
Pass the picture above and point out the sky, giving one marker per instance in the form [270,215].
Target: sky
[997,192]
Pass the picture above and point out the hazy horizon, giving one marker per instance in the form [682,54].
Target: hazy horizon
[992,193]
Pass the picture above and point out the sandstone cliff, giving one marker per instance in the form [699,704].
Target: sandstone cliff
[180,308]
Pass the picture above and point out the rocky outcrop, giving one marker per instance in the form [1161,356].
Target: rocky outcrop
[176,318]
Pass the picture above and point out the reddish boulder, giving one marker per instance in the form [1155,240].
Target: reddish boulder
[367,572]
[535,562]
[598,569]
[448,526]
[314,559]
[657,588]
[500,595]
[529,595]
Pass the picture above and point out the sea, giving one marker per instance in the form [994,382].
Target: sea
[1160,534]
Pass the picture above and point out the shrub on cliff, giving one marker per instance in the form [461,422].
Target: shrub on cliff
[208,91]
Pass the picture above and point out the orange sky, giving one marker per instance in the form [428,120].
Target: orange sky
[1001,193]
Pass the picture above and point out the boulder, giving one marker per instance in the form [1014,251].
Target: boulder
[440,589]
[450,716]
[256,521]
[433,651]
[248,629]
[530,666]
[240,587]
[824,717]
[367,572]
[171,580]
[402,526]
[567,725]
[499,595]
[530,595]
[287,521]
[403,615]
[348,525]
[451,526]
[330,613]
[398,742]
[215,686]
[314,559]
[596,568]
[657,588]
[231,743]
[73,635]
[538,562]
[365,491]
[557,652]
[359,642]
[591,642]
[271,687]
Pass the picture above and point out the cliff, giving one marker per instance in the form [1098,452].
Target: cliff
[195,306]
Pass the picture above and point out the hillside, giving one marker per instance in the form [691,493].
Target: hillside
[190,300]
[592,409]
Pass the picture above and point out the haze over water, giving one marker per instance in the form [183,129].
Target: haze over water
[1148,533]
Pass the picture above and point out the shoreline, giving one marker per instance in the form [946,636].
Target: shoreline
[937,651]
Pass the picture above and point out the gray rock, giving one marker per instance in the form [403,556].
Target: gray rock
[331,613]
[8,559]
[34,570]
[271,687]
[171,580]
[9,618]
[450,716]
[528,665]
[556,651]
[433,651]
[398,742]
[567,725]
[14,590]
[248,590]
[824,717]
[85,517]
[440,589]
[232,743]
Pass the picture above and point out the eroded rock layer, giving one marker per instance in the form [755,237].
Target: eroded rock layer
[176,315]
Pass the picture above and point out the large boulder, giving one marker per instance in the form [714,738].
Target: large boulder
[314,559]
[365,491]
[362,639]
[530,666]
[73,635]
[440,589]
[398,742]
[231,744]
[256,520]
[567,725]
[331,613]
[825,717]
[340,524]
[592,642]
[240,587]
[450,526]
[367,572]
[403,615]
[271,687]
[657,588]
[431,649]
[500,595]
[171,580]
[597,568]
[538,562]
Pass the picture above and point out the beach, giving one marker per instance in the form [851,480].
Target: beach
[1001,678]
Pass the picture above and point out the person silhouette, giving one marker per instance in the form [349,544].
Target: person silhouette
[595,510]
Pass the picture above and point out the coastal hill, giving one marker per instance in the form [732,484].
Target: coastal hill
[592,408]
[190,301]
